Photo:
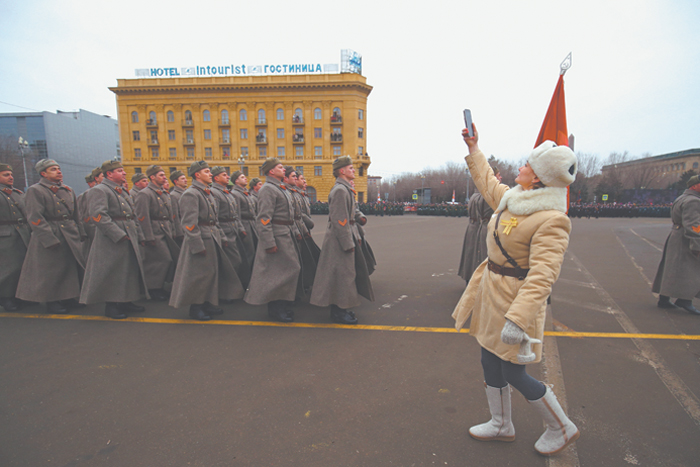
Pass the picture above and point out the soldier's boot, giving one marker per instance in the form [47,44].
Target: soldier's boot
[72,303]
[560,430]
[500,427]
[212,310]
[159,295]
[112,310]
[289,309]
[665,302]
[687,305]
[56,308]
[128,307]
[197,312]
[9,304]
[342,316]
[276,310]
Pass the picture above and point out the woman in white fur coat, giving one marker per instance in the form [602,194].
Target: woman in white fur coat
[507,295]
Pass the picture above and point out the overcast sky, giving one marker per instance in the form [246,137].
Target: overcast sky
[634,84]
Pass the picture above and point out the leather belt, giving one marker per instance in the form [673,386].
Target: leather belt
[278,222]
[510,272]
[209,223]
[128,217]
[19,221]
[231,219]
[64,217]
[247,217]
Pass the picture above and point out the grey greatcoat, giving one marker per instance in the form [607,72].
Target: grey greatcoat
[678,274]
[204,272]
[55,262]
[232,228]
[275,275]
[88,224]
[246,204]
[158,219]
[474,248]
[308,249]
[14,238]
[342,276]
[114,270]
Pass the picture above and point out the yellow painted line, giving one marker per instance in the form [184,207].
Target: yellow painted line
[364,327]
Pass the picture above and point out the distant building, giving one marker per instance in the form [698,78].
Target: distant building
[374,184]
[78,141]
[657,171]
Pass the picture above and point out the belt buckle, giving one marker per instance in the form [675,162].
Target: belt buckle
[65,217]
[21,220]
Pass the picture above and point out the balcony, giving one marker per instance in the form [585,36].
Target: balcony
[225,141]
[298,139]
[336,137]
[153,142]
[188,141]
[261,139]
[261,122]
[188,123]
[297,120]
[336,120]
[224,122]
[152,123]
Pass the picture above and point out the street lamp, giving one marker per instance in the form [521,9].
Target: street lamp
[422,193]
[241,161]
[23,146]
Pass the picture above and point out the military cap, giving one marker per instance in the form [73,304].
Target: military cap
[217,170]
[288,169]
[692,181]
[138,176]
[96,172]
[89,178]
[269,164]
[254,182]
[175,175]
[235,175]
[153,169]
[342,161]
[44,164]
[5,167]
[196,167]
[111,165]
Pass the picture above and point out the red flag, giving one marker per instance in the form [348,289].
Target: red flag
[554,125]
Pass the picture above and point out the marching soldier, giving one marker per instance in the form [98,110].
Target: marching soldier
[678,274]
[342,274]
[230,223]
[246,204]
[14,238]
[158,219]
[95,178]
[204,274]
[55,260]
[276,268]
[114,272]
[140,181]
[179,185]
[254,188]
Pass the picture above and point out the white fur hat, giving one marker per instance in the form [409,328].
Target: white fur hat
[554,165]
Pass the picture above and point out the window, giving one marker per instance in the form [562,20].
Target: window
[695,165]
[226,135]
[189,135]
[134,117]
[300,151]
[318,115]
[318,171]
[262,152]
[280,114]
[154,153]
[172,169]
[188,117]
[336,115]
[226,153]
[299,170]
[170,116]
[318,151]
[207,153]
[244,151]
[280,152]
[298,135]
[137,153]
[190,153]
[360,114]
[207,134]
[298,116]
[360,132]
[152,118]
[224,117]
[336,135]
[154,136]
[243,115]
[280,133]
[336,150]
[137,170]
[360,150]
[362,171]
[318,133]
[137,136]
[261,116]
[244,133]
[171,135]
[173,153]
[206,116]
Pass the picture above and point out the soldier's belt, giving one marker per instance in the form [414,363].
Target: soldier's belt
[230,219]
[677,226]
[519,274]
[163,218]
[280,222]
[64,217]
[128,217]
[209,223]
[18,221]
[247,217]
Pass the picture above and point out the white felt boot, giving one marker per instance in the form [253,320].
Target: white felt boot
[560,430]
[500,427]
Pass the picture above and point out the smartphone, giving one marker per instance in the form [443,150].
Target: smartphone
[468,122]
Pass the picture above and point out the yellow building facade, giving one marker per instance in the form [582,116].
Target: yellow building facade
[239,121]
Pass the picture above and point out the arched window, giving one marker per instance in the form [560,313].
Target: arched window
[336,117]
[206,116]
[224,117]
[261,116]
[188,116]
[152,117]
[280,114]
[171,116]
[318,115]
[134,117]
[336,112]
[243,115]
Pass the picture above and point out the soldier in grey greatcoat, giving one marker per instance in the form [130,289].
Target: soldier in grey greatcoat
[276,268]
[679,271]
[179,185]
[342,275]
[253,188]
[246,204]
[474,248]
[54,264]
[204,273]
[95,178]
[114,272]
[14,238]
[158,219]
[139,182]
[228,215]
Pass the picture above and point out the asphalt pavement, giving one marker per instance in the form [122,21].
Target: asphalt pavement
[400,389]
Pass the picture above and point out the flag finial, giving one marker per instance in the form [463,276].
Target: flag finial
[565,65]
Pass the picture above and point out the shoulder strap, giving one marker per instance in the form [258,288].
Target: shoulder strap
[498,242]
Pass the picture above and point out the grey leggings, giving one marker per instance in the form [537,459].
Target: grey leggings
[499,373]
